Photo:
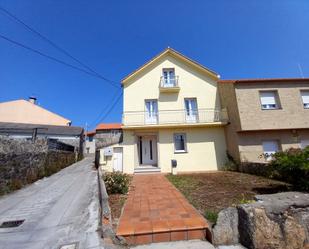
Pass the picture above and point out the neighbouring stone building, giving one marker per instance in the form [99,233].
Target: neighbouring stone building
[265,116]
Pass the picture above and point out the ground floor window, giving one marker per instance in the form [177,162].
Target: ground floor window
[304,143]
[180,142]
[270,147]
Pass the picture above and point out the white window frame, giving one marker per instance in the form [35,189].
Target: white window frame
[272,105]
[151,116]
[191,112]
[169,81]
[184,141]
[268,154]
[305,98]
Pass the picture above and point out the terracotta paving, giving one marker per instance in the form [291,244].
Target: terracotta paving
[155,211]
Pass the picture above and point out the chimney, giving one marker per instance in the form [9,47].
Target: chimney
[32,99]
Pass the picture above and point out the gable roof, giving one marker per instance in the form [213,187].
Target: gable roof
[176,54]
[273,80]
[23,111]
[108,126]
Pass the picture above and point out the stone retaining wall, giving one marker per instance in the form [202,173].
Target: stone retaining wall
[23,162]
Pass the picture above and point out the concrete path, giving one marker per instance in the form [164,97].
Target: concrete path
[57,210]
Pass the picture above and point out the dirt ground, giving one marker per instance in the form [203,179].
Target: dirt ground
[212,192]
[116,202]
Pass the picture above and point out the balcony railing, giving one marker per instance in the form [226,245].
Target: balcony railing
[174,117]
[169,83]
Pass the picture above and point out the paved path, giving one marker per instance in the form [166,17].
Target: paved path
[155,211]
[58,210]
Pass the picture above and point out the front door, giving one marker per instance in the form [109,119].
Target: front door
[148,150]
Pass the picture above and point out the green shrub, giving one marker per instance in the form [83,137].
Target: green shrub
[116,182]
[211,216]
[292,166]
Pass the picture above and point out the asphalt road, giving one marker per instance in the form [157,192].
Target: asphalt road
[59,210]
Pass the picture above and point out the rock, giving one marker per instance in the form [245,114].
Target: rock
[278,221]
[225,231]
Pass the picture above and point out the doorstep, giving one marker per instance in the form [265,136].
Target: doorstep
[155,211]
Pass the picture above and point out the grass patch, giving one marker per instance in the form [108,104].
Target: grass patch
[211,216]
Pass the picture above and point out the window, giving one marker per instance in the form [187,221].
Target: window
[304,143]
[269,100]
[169,77]
[191,110]
[151,115]
[180,142]
[270,147]
[90,139]
[305,98]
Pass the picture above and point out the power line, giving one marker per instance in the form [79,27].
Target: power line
[55,45]
[109,110]
[52,58]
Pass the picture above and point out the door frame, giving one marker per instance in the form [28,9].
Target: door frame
[121,148]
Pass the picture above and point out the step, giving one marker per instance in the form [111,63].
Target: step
[147,169]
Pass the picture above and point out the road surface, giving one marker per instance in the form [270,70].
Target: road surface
[59,210]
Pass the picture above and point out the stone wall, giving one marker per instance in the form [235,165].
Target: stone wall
[277,221]
[23,162]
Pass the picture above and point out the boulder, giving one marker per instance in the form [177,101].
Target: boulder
[225,232]
[277,221]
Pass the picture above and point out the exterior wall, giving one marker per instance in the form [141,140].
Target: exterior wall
[90,146]
[106,162]
[291,115]
[108,137]
[22,111]
[192,83]
[206,149]
[229,101]
[250,143]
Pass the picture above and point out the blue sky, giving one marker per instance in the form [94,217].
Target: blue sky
[237,39]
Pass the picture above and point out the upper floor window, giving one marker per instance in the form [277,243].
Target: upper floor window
[151,115]
[191,110]
[169,79]
[305,98]
[269,100]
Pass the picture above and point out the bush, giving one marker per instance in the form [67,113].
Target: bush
[116,182]
[292,166]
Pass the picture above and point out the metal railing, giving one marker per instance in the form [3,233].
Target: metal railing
[169,83]
[174,117]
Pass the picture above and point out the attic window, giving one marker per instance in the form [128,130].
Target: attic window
[169,79]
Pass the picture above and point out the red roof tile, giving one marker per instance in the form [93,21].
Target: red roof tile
[109,126]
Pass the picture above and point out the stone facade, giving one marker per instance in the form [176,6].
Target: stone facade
[23,162]
[249,125]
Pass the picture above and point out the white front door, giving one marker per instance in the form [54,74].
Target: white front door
[148,150]
[117,157]
[191,110]
[151,115]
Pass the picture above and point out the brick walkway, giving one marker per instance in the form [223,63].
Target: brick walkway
[156,211]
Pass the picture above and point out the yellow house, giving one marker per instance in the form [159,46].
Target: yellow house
[171,112]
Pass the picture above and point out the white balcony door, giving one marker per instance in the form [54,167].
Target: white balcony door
[191,110]
[151,115]
[169,77]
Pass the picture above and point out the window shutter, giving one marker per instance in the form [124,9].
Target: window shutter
[268,98]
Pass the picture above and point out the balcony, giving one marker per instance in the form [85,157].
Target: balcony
[169,85]
[175,118]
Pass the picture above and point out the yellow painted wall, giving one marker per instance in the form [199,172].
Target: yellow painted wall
[206,149]
[107,162]
[192,83]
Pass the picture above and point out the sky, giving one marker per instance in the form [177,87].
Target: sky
[237,39]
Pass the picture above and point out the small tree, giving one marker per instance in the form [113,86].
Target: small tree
[292,166]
